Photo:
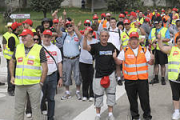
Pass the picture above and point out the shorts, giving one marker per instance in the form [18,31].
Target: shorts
[175,88]
[71,66]
[160,57]
[99,91]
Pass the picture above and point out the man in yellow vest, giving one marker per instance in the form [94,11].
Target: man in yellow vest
[29,76]
[173,72]
[160,57]
[141,17]
[135,61]
[12,43]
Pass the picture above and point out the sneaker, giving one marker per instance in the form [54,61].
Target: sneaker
[119,82]
[175,116]
[91,99]
[78,95]
[111,117]
[163,82]
[28,115]
[153,81]
[84,98]
[66,96]
[44,112]
[97,118]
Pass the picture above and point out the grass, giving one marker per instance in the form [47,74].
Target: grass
[74,13]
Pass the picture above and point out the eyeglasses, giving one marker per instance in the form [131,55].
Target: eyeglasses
[69,25]
[86,24]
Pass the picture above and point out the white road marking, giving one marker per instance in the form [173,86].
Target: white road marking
[90,113]
[2,95]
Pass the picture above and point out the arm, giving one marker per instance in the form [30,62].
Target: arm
[54,15]
[60,82]
[167,37]
[11,68]
[165,49]
[85,45]
[59,32]
[44,71]
[64,14]
[76,30]
[117,61]
[151,61]
[4,42]
[11,43]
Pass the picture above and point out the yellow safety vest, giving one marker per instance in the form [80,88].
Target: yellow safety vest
[153,36]
[141,20]
[174,20]
[174,63]
[125,36]
[6,35]
[28,68]
[7,52]
[33,30]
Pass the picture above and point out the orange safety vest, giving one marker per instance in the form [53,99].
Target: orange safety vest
[104,23]
[135,67]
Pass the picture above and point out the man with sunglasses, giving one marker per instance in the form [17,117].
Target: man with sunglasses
[71,42]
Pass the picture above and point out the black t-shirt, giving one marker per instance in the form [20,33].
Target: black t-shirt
[103,55]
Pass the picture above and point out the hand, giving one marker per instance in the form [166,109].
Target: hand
[64,12]
[159,36]
[152,56]
[60,82]
[56,11]
[12,80]
[114,54]
[79,24]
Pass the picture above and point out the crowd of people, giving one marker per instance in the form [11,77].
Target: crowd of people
[107,52]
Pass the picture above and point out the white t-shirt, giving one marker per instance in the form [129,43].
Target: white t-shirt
[114,38]
[122,57]
[85,56]
[55,52]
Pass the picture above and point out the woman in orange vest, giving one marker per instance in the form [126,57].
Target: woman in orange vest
[135,61]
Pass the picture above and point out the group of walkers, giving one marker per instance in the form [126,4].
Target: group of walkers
[105,53]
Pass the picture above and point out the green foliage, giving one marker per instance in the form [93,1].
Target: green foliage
[116,5]
[45,5]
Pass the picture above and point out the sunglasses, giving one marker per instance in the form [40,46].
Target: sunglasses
[86,24]
[36,39]
[69,25]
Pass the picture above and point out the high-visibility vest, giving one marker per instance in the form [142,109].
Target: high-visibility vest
[133,24]
[141,20]
[174,20]
[104,23]
[28,68]
[135,67]
[163,34]
[6,35]
[7,52]
[125,36]
[174,63]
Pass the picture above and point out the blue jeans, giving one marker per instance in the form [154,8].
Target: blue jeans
[49,90]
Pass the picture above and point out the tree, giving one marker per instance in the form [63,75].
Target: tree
[45,5]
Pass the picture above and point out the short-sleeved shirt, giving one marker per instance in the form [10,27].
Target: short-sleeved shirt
[71,45]
[85,56]
[103,55]
[167,35]
[42,54]
[55,52]
[121,55]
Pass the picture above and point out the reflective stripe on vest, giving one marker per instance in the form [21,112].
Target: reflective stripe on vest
[174,63]
[28,69]
[153,36]
[125,37]
[135,67]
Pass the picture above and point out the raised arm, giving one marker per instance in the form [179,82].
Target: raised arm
[54,15]
[85,45]
[60,23]
[76,30]
[165,49]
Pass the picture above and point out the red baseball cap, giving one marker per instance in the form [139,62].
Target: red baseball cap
[87,22]
[103,15]
[28,21]
[157,15]
[162,10]
[105,82]
[68,22]
[137,11]
[133,14]
[175,9]
[55,20]
[47,32]
[89,28]
[126,21]
[147,19]
[126,12]
[121,15]
[95,17]
[15,25]
[26,32]
[134,34]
